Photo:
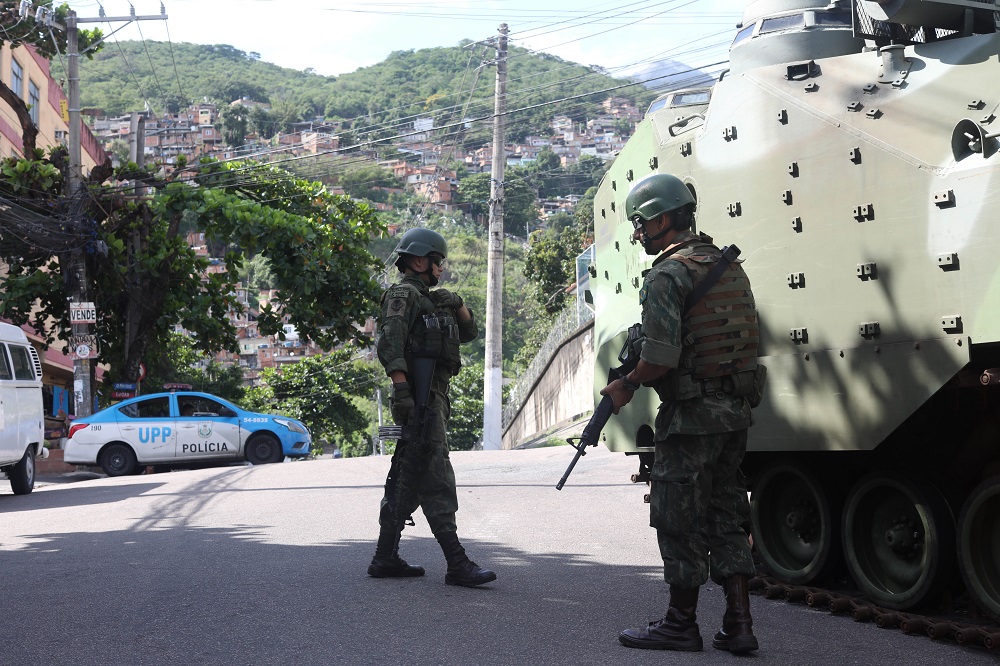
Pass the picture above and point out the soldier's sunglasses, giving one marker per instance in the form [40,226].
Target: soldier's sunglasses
[438,260]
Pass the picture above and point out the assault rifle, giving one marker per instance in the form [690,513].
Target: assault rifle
[629,358]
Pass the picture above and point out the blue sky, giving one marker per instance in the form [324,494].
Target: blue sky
[335,36]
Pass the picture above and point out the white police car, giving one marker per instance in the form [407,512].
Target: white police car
[179,429]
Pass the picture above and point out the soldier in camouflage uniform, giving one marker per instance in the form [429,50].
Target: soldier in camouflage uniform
[404,333]
[701,362]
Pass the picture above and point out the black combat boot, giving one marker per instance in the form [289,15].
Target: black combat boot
[461,570]
[387,563]
[677,631]
[736,634]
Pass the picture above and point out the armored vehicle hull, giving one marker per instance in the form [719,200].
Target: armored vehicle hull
[861,180]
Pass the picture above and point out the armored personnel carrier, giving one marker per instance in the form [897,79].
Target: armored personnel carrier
[851,152]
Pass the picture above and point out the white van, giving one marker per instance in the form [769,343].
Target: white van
[22,412]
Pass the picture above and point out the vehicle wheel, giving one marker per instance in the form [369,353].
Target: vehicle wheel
[263,449]
[796,523]
[118,460]
[22,474]
[899,540]
[979,546]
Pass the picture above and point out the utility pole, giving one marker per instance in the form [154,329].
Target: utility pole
[493,376]
[83,341]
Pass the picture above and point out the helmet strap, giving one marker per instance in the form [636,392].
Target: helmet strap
[647,239]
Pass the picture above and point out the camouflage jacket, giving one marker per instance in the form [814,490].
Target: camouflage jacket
[401,328]
[664,290]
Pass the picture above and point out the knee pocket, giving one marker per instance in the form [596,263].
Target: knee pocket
[674,499]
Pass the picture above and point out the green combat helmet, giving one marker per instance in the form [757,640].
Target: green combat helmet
[657,194]
[422,242]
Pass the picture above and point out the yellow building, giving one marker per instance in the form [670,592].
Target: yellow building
[27,74]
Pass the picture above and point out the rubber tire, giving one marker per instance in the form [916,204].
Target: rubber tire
[780,549]
[118,460]
[22,474]
[865,553]
[263,450]
[978,546]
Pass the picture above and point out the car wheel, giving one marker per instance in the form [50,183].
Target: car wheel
[263,449]
[118,460]
[22,474]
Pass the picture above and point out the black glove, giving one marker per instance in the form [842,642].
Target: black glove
[446,299]
[401,404]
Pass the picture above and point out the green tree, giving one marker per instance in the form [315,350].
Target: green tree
[147,280]
[235,124]
[366,182]
[262,123]
[179,361]
[465,428]
[318,391]
[519,210]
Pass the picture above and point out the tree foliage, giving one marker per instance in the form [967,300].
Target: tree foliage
[178,361]
[318,391]
[519,211]
[146,279]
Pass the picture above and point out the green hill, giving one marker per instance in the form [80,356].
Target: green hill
[443,81]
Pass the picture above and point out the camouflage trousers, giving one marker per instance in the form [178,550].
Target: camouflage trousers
[698,505]
[435,482]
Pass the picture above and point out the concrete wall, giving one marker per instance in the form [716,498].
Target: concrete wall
[563,394]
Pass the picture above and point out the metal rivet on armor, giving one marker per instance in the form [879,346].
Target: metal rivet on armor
[948,261]
[898,83]
[617,247]
[806,356]
[783,116]
[812,87]
[793,169]
[873,114]
[797,224]
[614,185]
[729,133]
[654,162]
[864,212]
[786,196]
[855,155]
[841,353]
[867,271]
[628,175]
[977,104]
[952,323]
[987,119]
[854,106]
[944,198]
[612,206]
[603,213]
[959,342]
[685,149]
[735,209]
[870,88]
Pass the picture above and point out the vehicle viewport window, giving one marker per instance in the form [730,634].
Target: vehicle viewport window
[743,34]
[22,362]
[781,23]
[5,372]
[833,18]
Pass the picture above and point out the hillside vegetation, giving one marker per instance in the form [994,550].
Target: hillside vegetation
[442,81]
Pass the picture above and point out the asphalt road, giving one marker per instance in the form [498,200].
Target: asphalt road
[266,565]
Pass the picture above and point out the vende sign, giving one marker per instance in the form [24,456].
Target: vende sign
[82,313]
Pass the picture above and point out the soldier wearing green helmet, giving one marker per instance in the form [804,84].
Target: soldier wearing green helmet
[416,324]
[700,356]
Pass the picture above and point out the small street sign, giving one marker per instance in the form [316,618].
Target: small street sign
[82,346]
[124,386]
[82,313]
[122,395]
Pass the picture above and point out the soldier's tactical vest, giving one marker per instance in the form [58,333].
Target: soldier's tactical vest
[434,335]
[720,332]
